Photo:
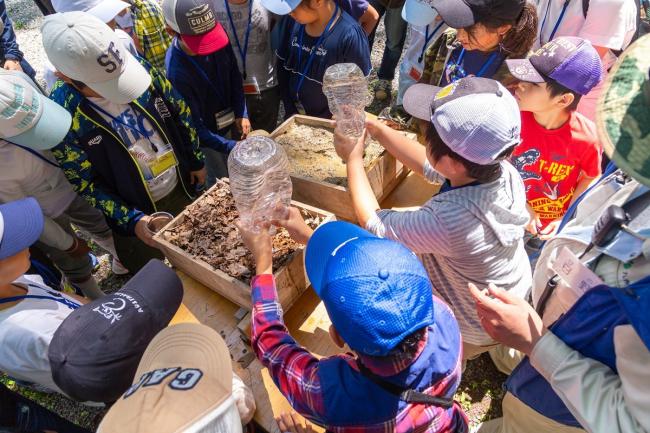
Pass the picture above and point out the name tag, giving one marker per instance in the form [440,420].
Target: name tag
[574,273]
[163,163]
[224,118]
[251,87]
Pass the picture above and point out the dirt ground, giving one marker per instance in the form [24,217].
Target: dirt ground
[311,154]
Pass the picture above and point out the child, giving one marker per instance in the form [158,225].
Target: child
[132,149]
[426,27]
[318,34]
[248,25]
[406,362]
[27,169]
[559,154]
[473,229]
[201,65]
[146,24]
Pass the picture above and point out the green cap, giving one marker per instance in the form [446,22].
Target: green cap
[623,116]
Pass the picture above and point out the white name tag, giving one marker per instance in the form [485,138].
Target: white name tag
[574,273]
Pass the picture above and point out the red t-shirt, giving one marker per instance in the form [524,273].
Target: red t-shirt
[550,162]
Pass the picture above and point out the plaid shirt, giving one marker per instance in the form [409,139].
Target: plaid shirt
[149,27]
[303,380]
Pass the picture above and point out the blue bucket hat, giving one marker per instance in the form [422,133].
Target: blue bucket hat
[376,291]
[21,224]
[281,7]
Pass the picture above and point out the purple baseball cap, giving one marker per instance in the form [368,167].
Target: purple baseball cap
[570,61]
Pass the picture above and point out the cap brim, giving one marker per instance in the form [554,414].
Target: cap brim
[106,10]
[50,129]
[455,13]
[206,43]
[22,225]
[280,7]
[323,242]
[417,100]
[523,70]
[130,85]
[417,13]
[623,112]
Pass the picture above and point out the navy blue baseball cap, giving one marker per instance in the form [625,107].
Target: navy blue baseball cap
[21,224]
[375,290]
[281,7]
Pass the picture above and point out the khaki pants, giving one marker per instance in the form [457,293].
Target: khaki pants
[505,358]
[519,418]
[472,351]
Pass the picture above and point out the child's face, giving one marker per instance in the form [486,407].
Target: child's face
[478,37]
[535,97]
[305,12]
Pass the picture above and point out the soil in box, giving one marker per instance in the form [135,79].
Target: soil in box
[208,233]
[311,153]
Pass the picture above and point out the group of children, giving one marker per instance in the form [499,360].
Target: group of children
[503,137]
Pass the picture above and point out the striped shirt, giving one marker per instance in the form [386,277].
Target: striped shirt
[472,234]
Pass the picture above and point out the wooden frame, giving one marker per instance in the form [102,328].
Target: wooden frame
[291,279]
[384,174]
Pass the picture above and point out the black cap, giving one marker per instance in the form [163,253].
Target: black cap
[465,13]
[95,352]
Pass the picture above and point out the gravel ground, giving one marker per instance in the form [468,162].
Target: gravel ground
[480,391]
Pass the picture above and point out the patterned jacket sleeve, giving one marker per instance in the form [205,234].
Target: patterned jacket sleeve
[184,114]
[76,167]
[293,369]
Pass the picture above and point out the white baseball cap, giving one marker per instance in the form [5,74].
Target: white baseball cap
[105,10]
[418,12]
[475,117]
[27,117]
[85,49]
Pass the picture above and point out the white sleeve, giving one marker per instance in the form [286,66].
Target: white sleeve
[422,230]
[610,23]
[597,397]
[244,399]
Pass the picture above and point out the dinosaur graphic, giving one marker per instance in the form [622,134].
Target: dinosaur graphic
[527,158]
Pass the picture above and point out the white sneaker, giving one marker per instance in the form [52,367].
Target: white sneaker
[118,268]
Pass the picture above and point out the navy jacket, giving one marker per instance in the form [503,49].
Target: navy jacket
[224,90]
[8,46]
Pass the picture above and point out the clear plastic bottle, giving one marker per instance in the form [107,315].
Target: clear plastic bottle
[347,94]
[259,181]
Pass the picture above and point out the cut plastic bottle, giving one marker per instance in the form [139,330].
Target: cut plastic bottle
[346,89]
[259,181]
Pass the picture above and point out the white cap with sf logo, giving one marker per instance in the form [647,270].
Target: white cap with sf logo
[85,49]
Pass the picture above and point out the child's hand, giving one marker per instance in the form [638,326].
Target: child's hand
[259,244]
[243,125]
[295,225]
[373,127]
[550,230]
[533,222]
[293,423]
[349,148]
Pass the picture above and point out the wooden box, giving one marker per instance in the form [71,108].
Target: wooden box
[384,174]
[291,279]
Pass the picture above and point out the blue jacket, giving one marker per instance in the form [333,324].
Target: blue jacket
[224,91]
[98,164]
[587,327]
[8,46]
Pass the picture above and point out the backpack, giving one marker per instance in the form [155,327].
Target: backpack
[639,23]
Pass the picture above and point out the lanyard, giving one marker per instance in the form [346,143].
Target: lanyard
[557,23]
[458,71]
[242,52]
[61,300]
[427,39]
[122,122]
[314,48]
[201,72]
[36,154]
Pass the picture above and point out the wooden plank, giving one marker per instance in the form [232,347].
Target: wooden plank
[291,279]
[413,191]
